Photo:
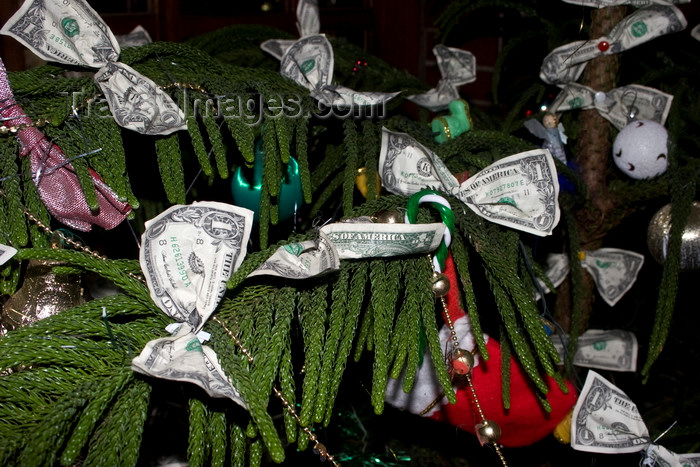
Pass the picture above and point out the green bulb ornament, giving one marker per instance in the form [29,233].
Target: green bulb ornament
[247,194]
[457,122]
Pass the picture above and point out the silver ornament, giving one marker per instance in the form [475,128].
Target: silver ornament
[658,236]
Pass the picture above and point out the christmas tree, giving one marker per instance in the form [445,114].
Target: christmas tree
[250,247]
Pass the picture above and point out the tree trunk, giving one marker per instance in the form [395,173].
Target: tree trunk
[591,155]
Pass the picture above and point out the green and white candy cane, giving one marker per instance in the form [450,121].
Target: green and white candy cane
[448,218]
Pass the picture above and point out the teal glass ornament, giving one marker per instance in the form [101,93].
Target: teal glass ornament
[247,194]
[457,122]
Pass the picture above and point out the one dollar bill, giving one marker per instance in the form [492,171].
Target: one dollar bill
[614,350]
[614,271]
[606,420]
[188,252]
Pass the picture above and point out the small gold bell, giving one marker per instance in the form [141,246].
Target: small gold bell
[462,362]
[488,432]
[389,217]
[441,284]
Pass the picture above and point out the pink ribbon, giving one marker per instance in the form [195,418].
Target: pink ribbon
[54,176]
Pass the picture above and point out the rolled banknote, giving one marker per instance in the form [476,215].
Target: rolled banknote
[181,357]
[375,240]
[619,106]
[301,260]
[359,238]
[614,271]
[635,3]
[71,32]
[188,252]
[309,61]
[566,63]
[457,67]
[614,350]
[519,191]
[606,420]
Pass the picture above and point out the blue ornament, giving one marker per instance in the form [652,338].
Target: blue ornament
[247,194]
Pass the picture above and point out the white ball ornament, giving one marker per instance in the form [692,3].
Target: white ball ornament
[640,149]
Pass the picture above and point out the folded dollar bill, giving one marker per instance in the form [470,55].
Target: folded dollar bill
[71,32]
[188,252]
[556,272]
[566,63]
[605,420]
[619,106]
[457,67]
[614,271]
[519,191]
[181,357]
[309,61]
[613,349]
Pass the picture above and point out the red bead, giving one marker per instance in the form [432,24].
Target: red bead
[603,46]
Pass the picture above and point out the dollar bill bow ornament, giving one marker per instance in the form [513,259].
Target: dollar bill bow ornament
[54,176]
[310,62]
[605,420]
[74,34]
[457,67]
[188,252]
[519,191]
[618,106]
[566,63]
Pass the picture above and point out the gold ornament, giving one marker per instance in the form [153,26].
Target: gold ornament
[488,432]
[562,432]
[389,217]
[42,294]
[462,362]
[441,284]
[361,182]
[658,235]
